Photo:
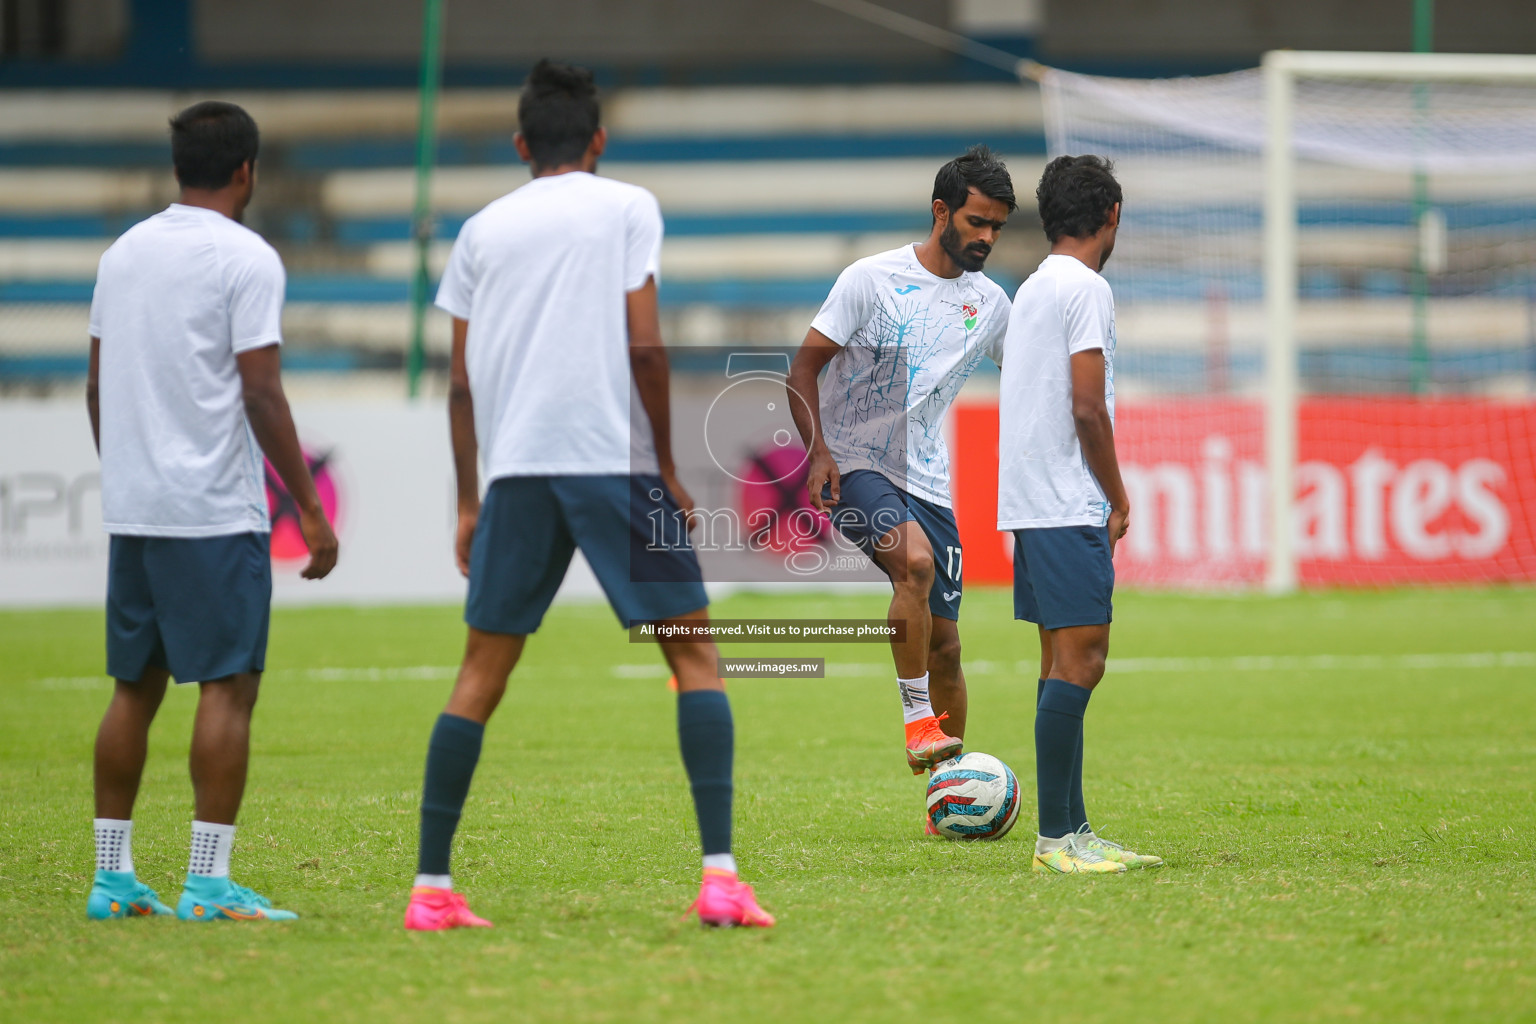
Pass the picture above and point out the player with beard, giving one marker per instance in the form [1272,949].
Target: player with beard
[899,334]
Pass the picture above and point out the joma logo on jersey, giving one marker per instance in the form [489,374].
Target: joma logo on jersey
[969,312]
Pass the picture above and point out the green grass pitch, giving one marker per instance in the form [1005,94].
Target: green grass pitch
[1348,838]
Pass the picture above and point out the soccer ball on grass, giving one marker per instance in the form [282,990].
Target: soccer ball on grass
[973,796]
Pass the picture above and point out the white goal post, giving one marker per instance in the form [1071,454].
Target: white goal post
[1325,287]
[1281,68]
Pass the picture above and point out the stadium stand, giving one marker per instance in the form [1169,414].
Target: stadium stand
[768,192]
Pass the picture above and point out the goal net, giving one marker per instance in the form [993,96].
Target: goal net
[1325,287]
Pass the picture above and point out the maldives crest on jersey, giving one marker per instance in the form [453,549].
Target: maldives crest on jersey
[968,311]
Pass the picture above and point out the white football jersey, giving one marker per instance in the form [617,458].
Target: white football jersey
[1042,479]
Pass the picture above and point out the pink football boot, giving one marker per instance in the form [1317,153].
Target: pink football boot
[725,901]
[437,910]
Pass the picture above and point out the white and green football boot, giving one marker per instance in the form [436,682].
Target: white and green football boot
[1110,850]
[1073,858]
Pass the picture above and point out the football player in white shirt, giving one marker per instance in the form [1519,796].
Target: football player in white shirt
[183,386]
[899,335]
[1060,491]
[559,384]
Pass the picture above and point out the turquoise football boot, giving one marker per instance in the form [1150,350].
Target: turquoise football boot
[120,894]
[219,899]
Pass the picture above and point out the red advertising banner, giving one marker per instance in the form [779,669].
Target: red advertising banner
[1388,490]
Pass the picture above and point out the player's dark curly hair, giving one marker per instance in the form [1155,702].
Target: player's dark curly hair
[976,168]
[209,142]
[1075,195]
[557,113]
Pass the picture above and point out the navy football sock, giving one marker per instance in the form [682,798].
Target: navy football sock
[1058,735]
[1079,812]
[707,736]
[451,758]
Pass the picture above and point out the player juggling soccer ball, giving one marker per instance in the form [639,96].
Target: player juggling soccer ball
[898,335]
[559,382]
[1060,492]
[183,386]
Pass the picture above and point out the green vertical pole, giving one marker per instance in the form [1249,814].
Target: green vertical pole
[1423,26]
[1423,42]
[421,214]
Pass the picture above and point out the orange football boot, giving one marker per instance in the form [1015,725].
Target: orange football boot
[927,744]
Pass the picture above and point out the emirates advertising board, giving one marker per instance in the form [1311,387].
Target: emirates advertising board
[1389,491]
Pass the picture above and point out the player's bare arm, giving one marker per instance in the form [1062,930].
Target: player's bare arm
[648,363]
[805,406]
[266,407]
[1096,434]
[466,450]
[93,391]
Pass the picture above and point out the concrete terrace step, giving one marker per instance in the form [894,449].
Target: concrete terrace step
[319,156]
[64,115]
[725,187]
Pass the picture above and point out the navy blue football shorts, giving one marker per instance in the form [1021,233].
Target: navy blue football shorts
[198,607]
[869,506]
[1063,576]
[628,527]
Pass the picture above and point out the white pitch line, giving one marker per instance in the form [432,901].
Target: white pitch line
[405,673]
[1236,664]
[1328,662]
[367,675]
[71,683]
[655,670]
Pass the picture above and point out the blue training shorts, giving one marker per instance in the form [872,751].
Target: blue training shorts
[869,506]
[1063,576]
[196,606]
[628,527]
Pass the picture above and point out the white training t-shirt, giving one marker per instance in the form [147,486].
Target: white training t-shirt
[910,339]
[177,297]
[1042,479]
[541,275]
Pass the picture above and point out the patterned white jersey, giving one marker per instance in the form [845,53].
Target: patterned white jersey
[910,339]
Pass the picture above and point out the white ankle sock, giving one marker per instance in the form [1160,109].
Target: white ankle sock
[1045,844]
[210,849]
[914,698]
[720,862]
[114,844]
[434,881]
